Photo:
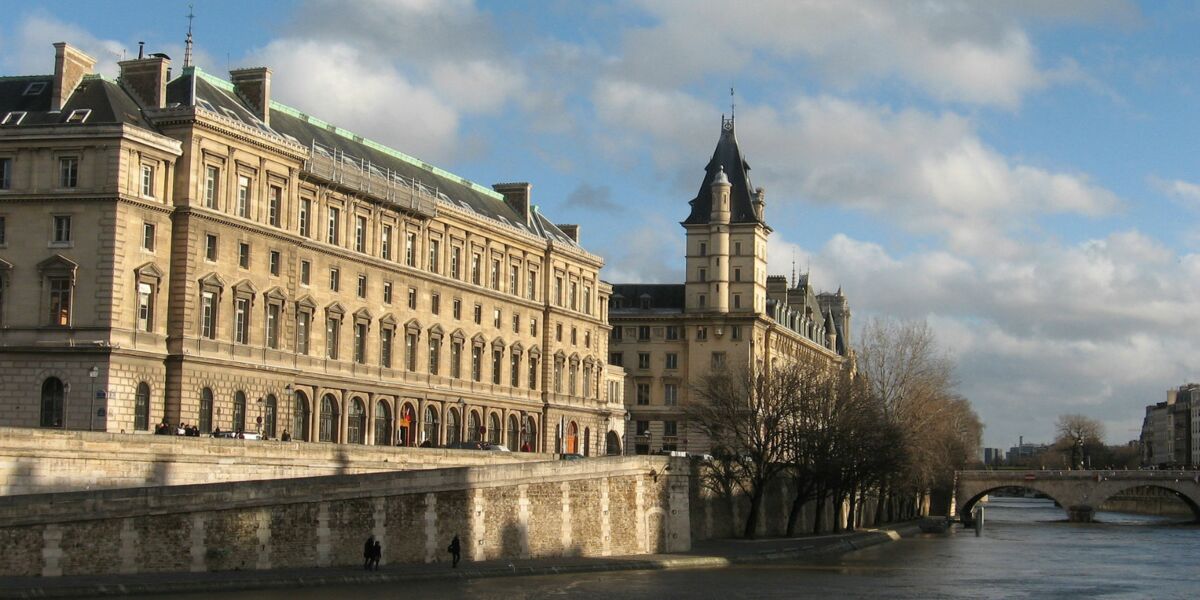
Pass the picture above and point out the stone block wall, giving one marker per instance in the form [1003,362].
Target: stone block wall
[47,460]
[599,507]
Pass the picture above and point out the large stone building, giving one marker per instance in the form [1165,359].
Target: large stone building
[189,249]
[1170,429]
[728,310]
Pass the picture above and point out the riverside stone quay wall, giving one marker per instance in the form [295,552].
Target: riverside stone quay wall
[596,507]
[40,461]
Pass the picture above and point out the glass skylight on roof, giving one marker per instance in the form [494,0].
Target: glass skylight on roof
[79,115]
[35,88]
[13,118]
[231,114]
[206,105]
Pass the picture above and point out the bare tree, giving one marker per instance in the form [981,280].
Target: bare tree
[1079,437]
[745,412]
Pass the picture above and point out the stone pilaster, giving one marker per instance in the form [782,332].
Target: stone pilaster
[431,528]
[478,525]
[323,534]
[605,520]
[52,553]
[566,517]
[263,534]
[129,544]
[198,548]
[523,518]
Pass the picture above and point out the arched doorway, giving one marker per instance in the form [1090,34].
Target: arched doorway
[572,446]
[239,411]
[141,407]
[206,411]
[453,430]
[329,419]
[300,417]
[514,433]
[408,426]
[474,427]
[493,430]
[270,406]
[587,441]
[529,435]
[383,423]
[612,444]
[430,434]
[52,402]
[356,422]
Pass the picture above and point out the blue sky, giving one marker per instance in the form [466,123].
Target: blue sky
[1022,175]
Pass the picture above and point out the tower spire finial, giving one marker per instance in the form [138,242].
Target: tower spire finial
[732,104]
[187,44]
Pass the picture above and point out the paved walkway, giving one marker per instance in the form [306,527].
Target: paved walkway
[705,554]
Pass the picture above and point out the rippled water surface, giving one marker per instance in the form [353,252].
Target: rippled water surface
[1026,551]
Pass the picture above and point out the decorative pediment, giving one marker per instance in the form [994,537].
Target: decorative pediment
[535,352]
[306,302]
[335,310]
[388,320]
[479,339]
[275,294]
[362,314]
[149,270]
[212,280]
[413,325]
[58,265]
[560,355]
[245,287]
[517,348]
[458,336]
[589,362]
[436,331]
[498,343]
[574,358]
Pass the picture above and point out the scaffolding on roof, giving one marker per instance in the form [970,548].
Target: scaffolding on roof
[377,181]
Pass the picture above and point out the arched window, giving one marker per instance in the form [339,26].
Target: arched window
[514,432]
[300,417]
[474,425]
[52,402]
[452,427]
[383,424]
[430,435]
[493,430]
[270,406]
[206,410]
[572,438]
[239,411]
[329,419]
[356,422]
[612,443]
[141,407]
[529,435]
[408,426]
[587,441]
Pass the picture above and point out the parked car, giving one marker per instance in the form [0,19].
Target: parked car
[496,447]
[570,457]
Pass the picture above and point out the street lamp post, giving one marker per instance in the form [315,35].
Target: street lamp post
[289,391]
[66,401]
[462,419]
[628,418]
[260,417]
[93,373]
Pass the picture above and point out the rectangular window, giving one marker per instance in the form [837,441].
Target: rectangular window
[456,360]
[212,176]
[533,285]
[516,322]
[385,348]
[435,256]
[476,363]
[241,320]
[332,327]
[703,275]
[496,318]
[145,315]
[475,266]
[702,301]
[335,280]
[385,243]
[5,173]
[3,232]
[478,314]
[334,226]
[302,321]
[305,216]
[587,299]
[410,248]
[387,292]
[495,274]
[360,233]
[412,298]
[533,372]
[456,309]
[718,360]
[573,296]
[617,334]
[558,332]
[68,172]
[435,355]
[670,394]
[558,290]
[273,326]
[670,429]
[643,394]
[62,229]
[703,249]
[737,274]
[737,300]
[244,255]
[455,257]
[147,181]
[515,370]
[243,196]
[533,327]
[497,364]
[737,247]
[514,279]
[305,272]
[643,332]
[643,360]
[147,236]
[672,361]
[558,369]
[273,263]
[643,427]
[701,333]
[574,336]
[274,205]
[360,343]
[616,359]
[735,331]
[435,303]
[362,286]
[208,315]
[672,332]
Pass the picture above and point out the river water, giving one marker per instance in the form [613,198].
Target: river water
[1026,551]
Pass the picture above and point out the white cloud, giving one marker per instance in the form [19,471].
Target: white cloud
[34,52]
[1185,193]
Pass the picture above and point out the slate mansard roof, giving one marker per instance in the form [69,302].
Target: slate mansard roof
[108,102]
[727,156]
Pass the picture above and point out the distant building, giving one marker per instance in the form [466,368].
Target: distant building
[1170,428]
[993,456]
[1026,453]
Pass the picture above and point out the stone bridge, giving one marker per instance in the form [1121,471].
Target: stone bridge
[1078,492]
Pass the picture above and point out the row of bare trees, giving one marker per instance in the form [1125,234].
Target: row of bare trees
[890,429]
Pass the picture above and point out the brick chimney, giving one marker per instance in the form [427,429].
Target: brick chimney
[70,65]
[254,86]
[572,231]
[146,79]
[516,196]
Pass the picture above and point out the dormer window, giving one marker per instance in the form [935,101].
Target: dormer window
[79,115]
[35,88]
[13,118]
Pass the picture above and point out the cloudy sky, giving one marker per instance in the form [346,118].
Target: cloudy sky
[1022,175]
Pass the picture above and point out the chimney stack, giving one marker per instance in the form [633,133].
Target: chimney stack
[70,65]
[572,231]
[254,86]
[516,196]
[146,79]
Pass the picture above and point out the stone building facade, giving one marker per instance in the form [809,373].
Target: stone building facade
[1170,430]
[186,248]
[728,311]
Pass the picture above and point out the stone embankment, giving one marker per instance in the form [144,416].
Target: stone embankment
[1148,501]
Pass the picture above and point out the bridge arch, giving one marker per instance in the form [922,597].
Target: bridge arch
[1080,493]
[965,506]
[1178,490]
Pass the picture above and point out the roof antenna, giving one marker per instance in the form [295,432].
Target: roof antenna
[732,104]
[141,50]
[793,286]
[187,44]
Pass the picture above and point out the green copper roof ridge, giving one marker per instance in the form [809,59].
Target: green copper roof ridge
[350,135]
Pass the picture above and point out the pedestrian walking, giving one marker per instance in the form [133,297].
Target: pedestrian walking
[368,552]
[455,550]
[376,554]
